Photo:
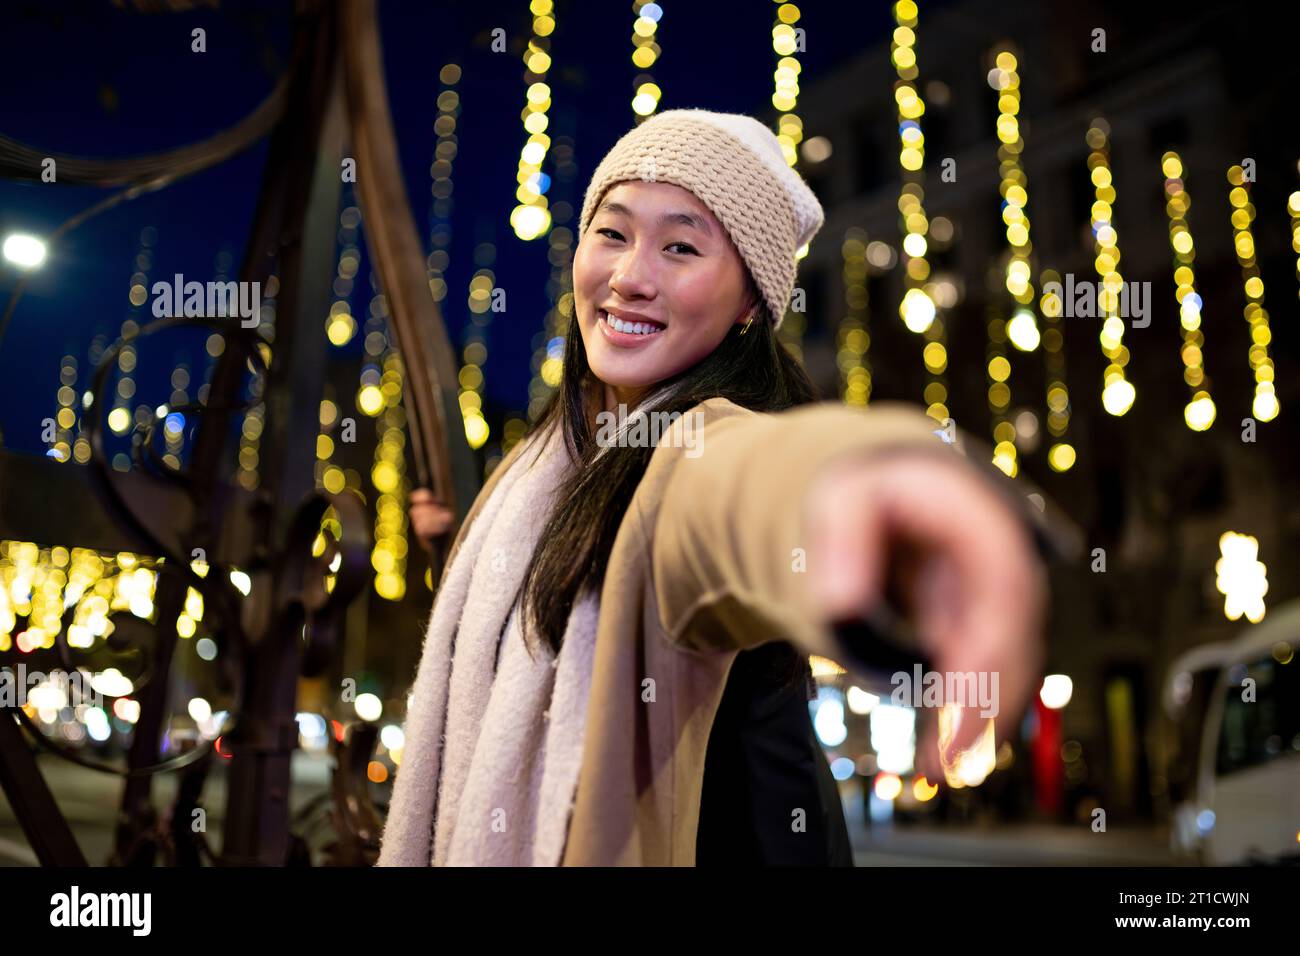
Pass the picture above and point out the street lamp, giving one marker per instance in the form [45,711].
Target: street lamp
[24,251]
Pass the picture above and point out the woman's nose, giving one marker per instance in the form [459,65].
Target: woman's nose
[631,278]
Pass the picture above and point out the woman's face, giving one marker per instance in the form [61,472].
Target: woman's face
[654,254]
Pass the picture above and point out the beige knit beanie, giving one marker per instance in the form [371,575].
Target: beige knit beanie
[734,165]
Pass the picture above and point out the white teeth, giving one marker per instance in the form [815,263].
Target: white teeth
[631,328]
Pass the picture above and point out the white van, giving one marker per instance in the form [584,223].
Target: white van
[1235,770]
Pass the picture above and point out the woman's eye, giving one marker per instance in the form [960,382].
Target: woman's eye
[686,248]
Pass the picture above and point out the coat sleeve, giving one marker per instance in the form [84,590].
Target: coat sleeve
[729,554]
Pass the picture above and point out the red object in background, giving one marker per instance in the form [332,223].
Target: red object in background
[1048,772]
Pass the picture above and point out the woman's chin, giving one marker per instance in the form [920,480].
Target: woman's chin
[617,375]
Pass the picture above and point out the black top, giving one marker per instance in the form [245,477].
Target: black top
[762,765]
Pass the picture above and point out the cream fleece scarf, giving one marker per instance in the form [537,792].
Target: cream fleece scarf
[493,738]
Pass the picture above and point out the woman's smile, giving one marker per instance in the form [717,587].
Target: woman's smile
[627,330]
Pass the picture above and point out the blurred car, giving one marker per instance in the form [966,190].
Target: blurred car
[1235,771]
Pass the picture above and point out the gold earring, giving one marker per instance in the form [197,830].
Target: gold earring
[748,324]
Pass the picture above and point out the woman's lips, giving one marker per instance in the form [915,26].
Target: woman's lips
[623,340]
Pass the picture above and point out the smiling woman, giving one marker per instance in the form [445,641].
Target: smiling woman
[655,287]
[616,669]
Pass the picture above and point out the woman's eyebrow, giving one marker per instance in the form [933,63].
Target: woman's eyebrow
[691,219]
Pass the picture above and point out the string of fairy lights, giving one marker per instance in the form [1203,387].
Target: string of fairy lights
[1021,330]
[786,42]
[917,308]
[65,419]
[474,345]
[1199,411]
[380,397]
[174,422]
[250,437]
[1118,393]
[531,218]
[250,434]
[340,324]
[81,444]
[547,359]
[340,329]
[1060,454]
[998,372]
[388,476]
[440,187]
[98,345]
[1293,207]
[120,418]
[1265,404]
[645,53]
[470,379]
[853,338]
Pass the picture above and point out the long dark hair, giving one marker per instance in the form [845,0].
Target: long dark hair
[754,370]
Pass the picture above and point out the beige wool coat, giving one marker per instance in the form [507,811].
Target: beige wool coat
[703,567]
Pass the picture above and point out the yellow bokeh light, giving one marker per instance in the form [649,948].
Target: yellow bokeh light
[333,480]
[1118,396]
[370,400]
[888,786]
[476,430]
[119,420]
[936,357]
[1265,406]
[923,790]
[1199,412]
[390,587]
[529,221]
[1022,330]
[1061,457]
[1241,578]
[917,310]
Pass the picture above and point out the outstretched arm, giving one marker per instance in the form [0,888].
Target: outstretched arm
[786,524]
